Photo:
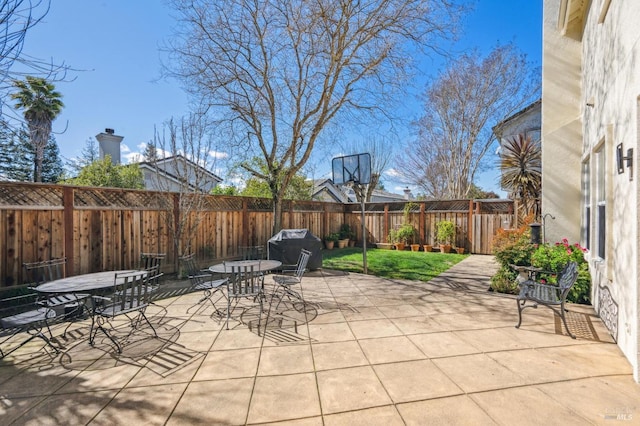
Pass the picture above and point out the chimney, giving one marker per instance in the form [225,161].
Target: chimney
[407,194]
[110,145]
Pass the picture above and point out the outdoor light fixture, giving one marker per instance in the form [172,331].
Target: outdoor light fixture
[620,159]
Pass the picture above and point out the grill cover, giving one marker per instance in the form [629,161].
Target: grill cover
[285,246]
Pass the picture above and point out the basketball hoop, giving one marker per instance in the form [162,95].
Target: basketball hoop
[354,169]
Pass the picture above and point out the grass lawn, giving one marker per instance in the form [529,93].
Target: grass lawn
[391,263]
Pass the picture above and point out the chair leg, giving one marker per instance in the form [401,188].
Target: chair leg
[148,322]
[564,320]
[520,305]
[38,334]
[113,340]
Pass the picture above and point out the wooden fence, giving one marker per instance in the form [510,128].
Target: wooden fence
[100,229]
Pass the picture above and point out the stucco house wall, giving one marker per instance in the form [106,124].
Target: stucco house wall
[561,128]
[590,105]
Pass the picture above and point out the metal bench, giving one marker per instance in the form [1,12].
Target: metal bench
[549,295]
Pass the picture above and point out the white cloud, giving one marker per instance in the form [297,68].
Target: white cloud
[218,155]
[392,173]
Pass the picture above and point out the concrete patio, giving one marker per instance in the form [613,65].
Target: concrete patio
[365,350]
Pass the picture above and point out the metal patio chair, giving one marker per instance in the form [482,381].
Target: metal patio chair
[22,315]
[244,282]
[67,305]
[152,262]
[292,277]
[203,280]
[130,295]
[251,252]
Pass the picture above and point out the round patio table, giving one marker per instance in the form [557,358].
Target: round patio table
[258,265]
[85,283]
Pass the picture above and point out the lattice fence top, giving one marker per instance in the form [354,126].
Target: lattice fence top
[26,195]
[462,206]
[220,203]
[106,198]
[30,195]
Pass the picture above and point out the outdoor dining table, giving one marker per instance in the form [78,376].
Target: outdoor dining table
[258,265]
[85,283]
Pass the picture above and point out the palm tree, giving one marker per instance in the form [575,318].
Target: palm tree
[41,104]
[521,166]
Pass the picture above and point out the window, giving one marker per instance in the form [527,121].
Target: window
[601,202]
[586,205]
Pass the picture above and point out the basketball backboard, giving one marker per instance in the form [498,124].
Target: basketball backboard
[352,169]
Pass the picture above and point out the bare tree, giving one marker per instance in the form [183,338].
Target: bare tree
[278,72]
[182,172]
[461,105]
[381,150]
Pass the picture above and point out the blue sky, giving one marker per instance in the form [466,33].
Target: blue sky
[116,44]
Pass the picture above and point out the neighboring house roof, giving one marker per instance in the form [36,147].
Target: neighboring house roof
[165,168]
[526,120]
[325,190]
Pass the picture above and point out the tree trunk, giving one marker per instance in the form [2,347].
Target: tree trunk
[277,215]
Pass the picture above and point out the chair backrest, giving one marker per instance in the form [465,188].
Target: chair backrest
[244,281]
[303,259]
[189,263]
[36,273]
[130,291]
[151,262]
[568,277]
[251,252]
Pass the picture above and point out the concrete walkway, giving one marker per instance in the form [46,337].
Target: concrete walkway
[365,350]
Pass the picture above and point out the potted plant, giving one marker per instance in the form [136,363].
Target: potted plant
[330,240]
[445,231]
[394,240]
[459,250]
[427,247]
[344,235]
[406,235]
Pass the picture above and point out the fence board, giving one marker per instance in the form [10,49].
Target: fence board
[109,228]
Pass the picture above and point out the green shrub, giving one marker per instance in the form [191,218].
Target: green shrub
[513,246]
[553,258]
[445,231]
[504,281]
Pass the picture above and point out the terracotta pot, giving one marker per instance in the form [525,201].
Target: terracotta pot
[415,247]
[460,250]
[427,247]
[445,248]
[352,243]
[329,244]
[399,246]
[343,243]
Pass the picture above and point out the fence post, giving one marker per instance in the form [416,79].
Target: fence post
[245,223]
[421,227]
[385,225]
[470,223]
[67,223]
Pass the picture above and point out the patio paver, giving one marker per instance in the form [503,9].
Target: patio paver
[365,350]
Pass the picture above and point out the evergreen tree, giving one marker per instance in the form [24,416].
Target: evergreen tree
[90,153]
[150,153]
[16,157]
[52,168]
